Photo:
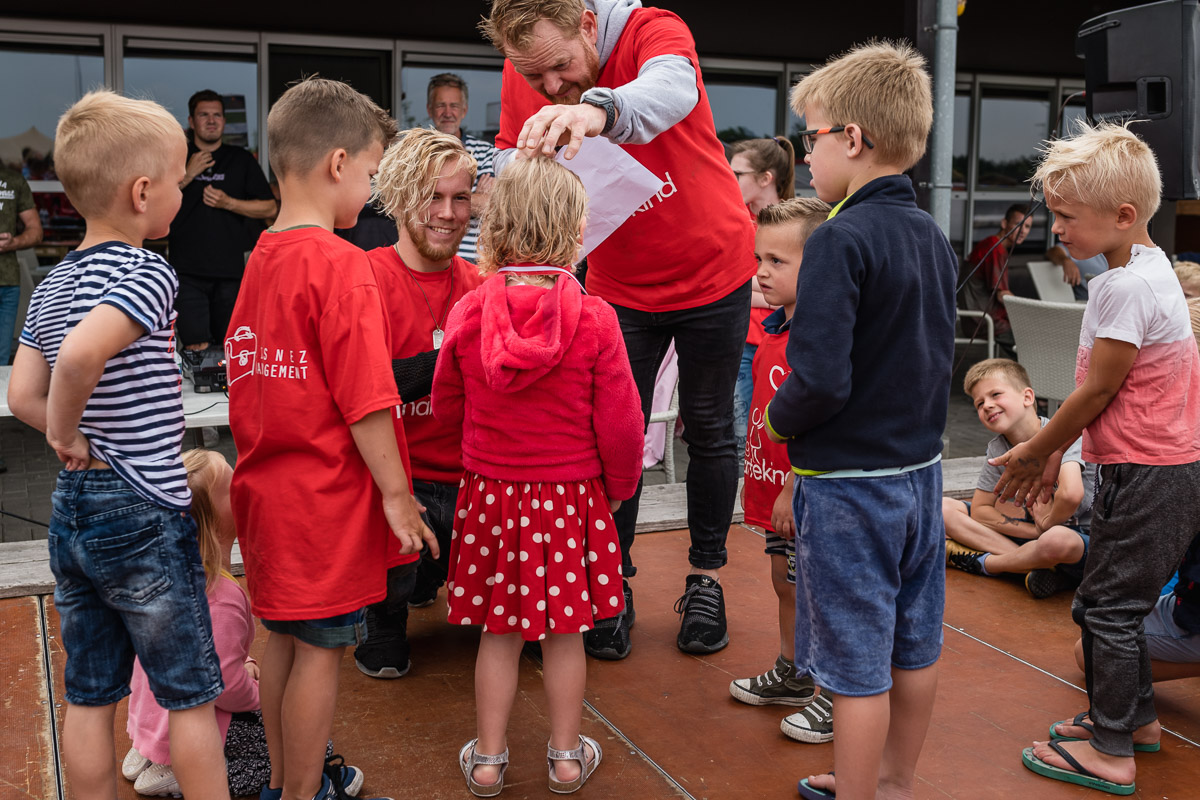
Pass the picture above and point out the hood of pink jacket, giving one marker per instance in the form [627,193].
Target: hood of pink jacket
[525,330]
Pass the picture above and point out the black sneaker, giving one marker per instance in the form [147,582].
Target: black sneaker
[1042,583]
[613,643]
[702,607]
[385,653]
[425,590]
[965,558]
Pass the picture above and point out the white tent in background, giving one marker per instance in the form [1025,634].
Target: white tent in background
[12,147]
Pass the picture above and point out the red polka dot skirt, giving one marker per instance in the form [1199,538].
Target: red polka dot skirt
[533,558]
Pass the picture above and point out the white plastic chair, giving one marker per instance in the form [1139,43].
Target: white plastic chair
[990,331]
[1047,340]
[668,416]
[1047,279]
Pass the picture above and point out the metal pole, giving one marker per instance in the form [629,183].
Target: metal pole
[942,145]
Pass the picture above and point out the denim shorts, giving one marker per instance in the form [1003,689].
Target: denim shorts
[870,578]
[1165,640]
[129,581]
[779,546]
[344,630]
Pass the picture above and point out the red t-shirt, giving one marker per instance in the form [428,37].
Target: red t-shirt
[435,449]
[766,464]
[307,357]
[691,243]
[994,276]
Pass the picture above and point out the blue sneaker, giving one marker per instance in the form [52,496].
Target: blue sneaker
[345,780]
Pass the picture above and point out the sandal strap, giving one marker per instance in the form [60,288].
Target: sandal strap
[1075,765]
[566,755]
[480,758]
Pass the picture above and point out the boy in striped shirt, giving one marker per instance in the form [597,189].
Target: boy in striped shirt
[96,372]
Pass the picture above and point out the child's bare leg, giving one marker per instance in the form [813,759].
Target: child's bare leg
[1058,545]
[273,675]
[306,714]
[963,529]
[911,703]
[198,754]
[860,729]
[496,669]
[87,742]
[786,592]
[564,674]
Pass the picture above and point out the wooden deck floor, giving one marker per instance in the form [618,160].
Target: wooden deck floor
[667,723]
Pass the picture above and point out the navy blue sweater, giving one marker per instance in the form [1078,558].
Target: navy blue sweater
[872,341]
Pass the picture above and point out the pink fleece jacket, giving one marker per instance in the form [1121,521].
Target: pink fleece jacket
[233,633]
[540,382]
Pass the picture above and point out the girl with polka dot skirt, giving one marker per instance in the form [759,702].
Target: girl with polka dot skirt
[535,371]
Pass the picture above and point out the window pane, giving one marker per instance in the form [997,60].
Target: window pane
[743,107]
[368,71]
[988,214]
[483,98]
[1011,125]
[171,81]
[962,142]
[43,85]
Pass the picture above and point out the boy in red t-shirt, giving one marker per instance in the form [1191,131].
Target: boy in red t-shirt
[767,492]
[319,478]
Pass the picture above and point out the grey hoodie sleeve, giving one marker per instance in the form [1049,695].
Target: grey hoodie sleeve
[663,93]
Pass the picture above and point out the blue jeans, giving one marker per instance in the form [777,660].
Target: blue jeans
[743,396]
[129,580]
[709,340]
[342,630]
[10,298]
[870,578]
[439,500]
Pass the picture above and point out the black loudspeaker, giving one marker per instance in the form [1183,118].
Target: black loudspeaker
[1142,63]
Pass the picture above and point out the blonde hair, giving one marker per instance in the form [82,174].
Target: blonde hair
[534,216]
[200,476]
[1188,272]
[1101,167]
[1005,368]
[408,173]
[105,140]
[881,86]
[776,156]
[510,24]
[316,116]
[809,212]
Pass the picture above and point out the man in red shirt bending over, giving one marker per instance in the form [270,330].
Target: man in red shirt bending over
[424,183]
[679,268]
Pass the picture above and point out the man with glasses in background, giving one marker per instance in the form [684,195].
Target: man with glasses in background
[447,106]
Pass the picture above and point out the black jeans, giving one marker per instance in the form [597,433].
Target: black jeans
[205,306]
[709,341]
[439,500]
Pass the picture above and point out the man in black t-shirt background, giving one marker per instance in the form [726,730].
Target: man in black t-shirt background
[225,194]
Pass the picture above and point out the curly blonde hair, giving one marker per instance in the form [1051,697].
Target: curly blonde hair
[409,170]
[534,216]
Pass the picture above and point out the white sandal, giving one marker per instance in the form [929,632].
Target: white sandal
[579,754]
[468,759]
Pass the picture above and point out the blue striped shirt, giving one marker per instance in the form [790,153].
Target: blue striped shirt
[134,418]
[484,153]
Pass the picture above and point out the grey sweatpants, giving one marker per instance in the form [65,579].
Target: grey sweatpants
[1143,520]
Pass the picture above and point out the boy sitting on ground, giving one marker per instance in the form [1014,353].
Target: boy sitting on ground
[1048,541]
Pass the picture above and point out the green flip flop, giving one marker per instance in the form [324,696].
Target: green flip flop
[1078,774]
[1087,726]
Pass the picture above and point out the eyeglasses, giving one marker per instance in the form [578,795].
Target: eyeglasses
[809,138]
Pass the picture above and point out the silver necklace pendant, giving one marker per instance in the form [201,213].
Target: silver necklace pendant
[437,338]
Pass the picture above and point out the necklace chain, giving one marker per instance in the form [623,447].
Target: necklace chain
[437,325]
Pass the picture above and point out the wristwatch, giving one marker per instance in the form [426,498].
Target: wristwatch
[602,99]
